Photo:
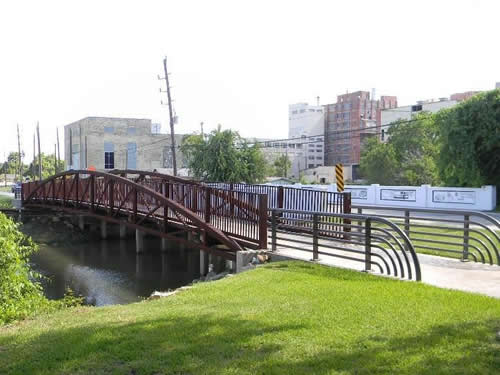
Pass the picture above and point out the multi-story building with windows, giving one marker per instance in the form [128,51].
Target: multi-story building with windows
[348,122]
[305,119]
[106,143]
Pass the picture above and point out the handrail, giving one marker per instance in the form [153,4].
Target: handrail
[479,224]
[402,241]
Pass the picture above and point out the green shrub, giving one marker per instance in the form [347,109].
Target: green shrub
[20,294]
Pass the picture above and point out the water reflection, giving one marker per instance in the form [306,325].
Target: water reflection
[110,272]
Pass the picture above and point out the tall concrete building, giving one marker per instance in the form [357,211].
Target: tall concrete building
[106,143]
[348,121]
[305,119]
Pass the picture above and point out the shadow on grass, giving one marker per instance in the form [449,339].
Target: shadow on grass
[208,344]
[179,345]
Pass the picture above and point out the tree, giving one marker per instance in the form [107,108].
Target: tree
[48,167]
[223,156]
[282,165]
[379,163]
[408,158]
[416,144]
[470,133]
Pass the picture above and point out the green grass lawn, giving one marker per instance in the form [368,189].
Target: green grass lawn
[7,189]
[5,202]
[283,318]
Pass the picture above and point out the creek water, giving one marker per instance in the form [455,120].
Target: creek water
[107,272]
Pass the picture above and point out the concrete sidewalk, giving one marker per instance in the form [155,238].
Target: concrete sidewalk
[438,271]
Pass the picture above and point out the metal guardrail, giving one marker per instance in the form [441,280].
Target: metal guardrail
[370,240]
[466,235]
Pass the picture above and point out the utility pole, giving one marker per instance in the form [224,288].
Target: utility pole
[172,134]
[201,126]
[55,158]
[39,152]
[58,154]
[19,164]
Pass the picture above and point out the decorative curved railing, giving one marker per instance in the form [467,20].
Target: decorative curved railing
[465,235]
[361,241]
[158,201]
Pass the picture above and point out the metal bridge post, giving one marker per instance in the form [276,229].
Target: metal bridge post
[208,195]
[465,254]
[134,209]
[274,219]
[315,236]
[77,182]
[407,223]
[368,245]
[346,205]
[280,197]
[64,190]
[263,221]
[111,196]
[92,193]
[360,223]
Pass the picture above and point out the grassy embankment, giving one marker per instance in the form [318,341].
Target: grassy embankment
[284,318]
[5,201]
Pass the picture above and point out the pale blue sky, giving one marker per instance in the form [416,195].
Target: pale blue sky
[238,63]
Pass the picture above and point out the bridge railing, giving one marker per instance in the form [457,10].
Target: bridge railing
[242,215]
[373,243]
[294,199]
[465,235]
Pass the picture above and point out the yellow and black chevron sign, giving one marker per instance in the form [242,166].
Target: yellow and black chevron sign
[339,175]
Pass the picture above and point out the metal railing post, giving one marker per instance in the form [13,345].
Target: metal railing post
[274,223]
[407,223]
[368,245]
[360,223]
[208,194]
[315,236]
[263,221]
[465,254]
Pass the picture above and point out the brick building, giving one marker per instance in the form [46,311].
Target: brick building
[346,122]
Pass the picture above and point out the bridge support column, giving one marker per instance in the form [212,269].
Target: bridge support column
[104,229]
[139,241]
[123,230]
[164,244]
[203,263]
[81,222]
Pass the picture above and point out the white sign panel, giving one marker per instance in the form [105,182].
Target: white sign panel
[398,195]
[358,193]
[464,197]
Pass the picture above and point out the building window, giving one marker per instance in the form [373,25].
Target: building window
[294,112]
[311,157]
[319,157]
[108,129]
[302,110]
[109,155]
[131,131]
[416,108]
[131,155]
[310,166]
